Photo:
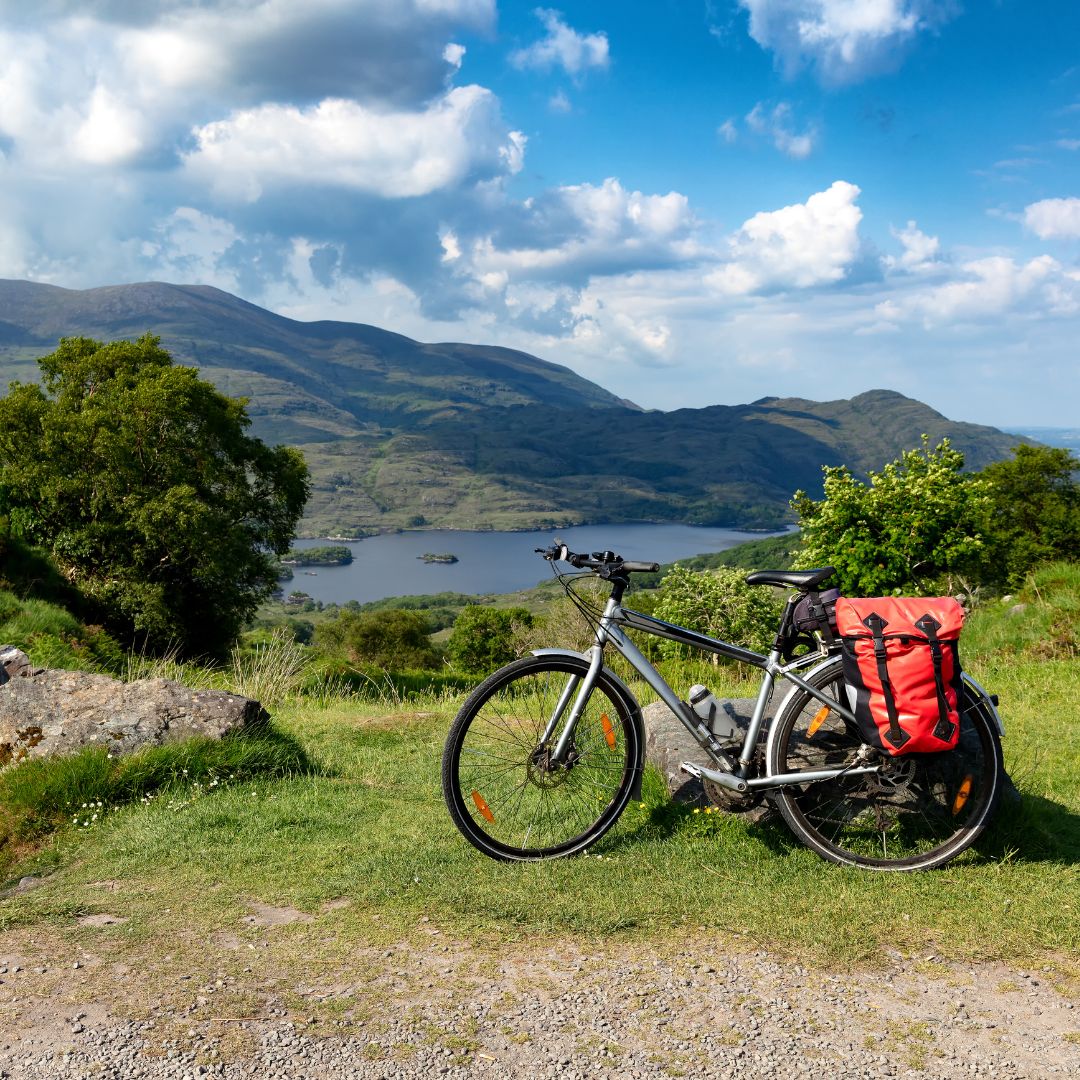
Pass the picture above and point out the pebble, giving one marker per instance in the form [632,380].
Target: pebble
[734,1019]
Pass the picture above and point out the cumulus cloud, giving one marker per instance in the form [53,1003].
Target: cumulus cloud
[921,252]
[1053,219]
[844,41]
[392,154]
[778,125]
[147,73]
[562,47]
[580,230]
[800,246]
[985,288]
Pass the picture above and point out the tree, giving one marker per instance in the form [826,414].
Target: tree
[391,638]
[483,638]
[915,527]
[1032,513]
[718,603]
[140,479]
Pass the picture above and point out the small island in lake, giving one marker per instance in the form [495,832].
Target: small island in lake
[317,556]
[429,557]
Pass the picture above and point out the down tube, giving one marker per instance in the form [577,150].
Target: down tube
[653,677]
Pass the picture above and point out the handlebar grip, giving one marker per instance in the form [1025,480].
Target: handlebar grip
[641,567]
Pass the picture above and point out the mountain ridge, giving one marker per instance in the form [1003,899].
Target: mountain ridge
[403,434]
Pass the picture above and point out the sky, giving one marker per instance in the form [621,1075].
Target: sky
[690,202]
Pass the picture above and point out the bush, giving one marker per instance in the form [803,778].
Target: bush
[718,603]
[914,528]
[485,638]
[392,639]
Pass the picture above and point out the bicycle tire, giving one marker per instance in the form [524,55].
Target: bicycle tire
[922,810]
[503,795]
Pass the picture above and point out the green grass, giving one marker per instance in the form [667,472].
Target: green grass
[366,823]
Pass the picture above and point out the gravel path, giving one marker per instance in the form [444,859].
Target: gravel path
[447,1009]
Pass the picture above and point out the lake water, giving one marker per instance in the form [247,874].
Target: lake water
[489,562]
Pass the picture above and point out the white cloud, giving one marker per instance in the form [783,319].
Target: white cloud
[921,252]
[728,131]
[563,47]
[391,154]
[778,125]
[800,246]
[987,289]
[844,40]
[604,229]
[1054,218]
[111,134]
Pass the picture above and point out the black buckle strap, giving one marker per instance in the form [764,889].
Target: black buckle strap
[876,625]
[945,729]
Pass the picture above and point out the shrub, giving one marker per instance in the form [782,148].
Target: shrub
[485,638]
[392,639]
[718,603]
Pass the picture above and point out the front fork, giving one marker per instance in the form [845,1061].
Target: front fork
[583,686]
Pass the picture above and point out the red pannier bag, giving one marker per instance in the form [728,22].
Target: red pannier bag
[902,670]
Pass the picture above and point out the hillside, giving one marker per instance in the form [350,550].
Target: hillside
[402,434]
[306,381]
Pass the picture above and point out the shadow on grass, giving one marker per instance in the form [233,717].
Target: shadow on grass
[1027,828]
[41,795]
[1032,829]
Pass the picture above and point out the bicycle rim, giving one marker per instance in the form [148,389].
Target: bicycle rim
[922,809]
[501,789]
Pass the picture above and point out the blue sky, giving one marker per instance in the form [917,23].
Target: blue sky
[691,202]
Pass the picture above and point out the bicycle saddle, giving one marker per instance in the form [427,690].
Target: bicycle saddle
[795,579]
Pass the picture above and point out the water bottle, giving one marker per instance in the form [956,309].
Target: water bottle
[711,713]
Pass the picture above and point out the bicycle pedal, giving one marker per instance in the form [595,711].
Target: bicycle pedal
[691,769]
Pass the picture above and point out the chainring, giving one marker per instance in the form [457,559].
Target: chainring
[730,801]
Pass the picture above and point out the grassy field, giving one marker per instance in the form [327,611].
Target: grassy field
[363,821]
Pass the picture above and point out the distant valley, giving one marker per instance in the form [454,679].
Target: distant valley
[402,434]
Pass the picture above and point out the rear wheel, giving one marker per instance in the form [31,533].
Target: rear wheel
[918,812]
[501,787]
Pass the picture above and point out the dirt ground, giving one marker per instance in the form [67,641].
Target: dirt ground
[81,998]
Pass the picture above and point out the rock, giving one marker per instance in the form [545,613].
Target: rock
[13,662]
[668,744]
[59,712]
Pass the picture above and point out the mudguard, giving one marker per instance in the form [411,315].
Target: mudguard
[628,700]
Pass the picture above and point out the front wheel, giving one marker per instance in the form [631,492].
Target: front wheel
[502,788]
[917,813]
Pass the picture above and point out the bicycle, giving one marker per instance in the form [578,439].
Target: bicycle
[546,753]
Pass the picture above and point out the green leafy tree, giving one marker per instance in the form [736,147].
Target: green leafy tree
[1033,511]
[392,639]
[141,481]
[484,638]
[915,527]
[718,603]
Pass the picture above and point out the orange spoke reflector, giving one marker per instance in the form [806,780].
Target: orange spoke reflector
[818,720]
[962,795]
[609,731]
[483,806]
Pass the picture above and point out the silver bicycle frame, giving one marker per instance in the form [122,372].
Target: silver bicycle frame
[732,775]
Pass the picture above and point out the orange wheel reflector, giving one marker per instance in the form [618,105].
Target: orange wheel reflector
[483,806]
[609,731]
[962,795]
[818,720]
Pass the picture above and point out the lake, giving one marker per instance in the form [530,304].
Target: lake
[489,562]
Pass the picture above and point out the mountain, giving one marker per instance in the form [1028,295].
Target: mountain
[305,381]
[403,434]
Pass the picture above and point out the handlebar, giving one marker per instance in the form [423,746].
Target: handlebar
[605,563]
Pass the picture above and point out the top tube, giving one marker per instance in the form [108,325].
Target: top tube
[637,620]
